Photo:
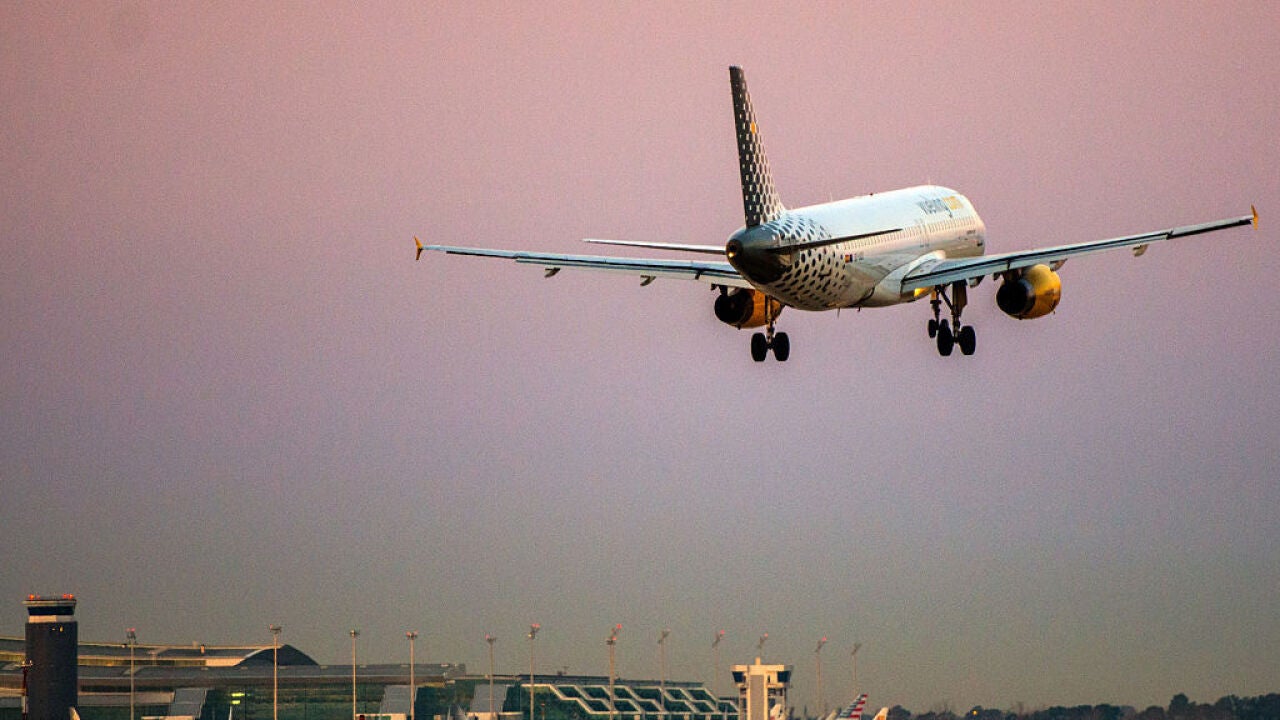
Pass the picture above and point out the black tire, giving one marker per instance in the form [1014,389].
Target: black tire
[781,347]
[933,328]
[946,341]
[968,340]
[759,347]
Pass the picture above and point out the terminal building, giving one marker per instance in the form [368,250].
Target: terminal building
[135,681]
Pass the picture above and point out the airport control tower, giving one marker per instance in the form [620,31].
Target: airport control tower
[52,647]
[760,688]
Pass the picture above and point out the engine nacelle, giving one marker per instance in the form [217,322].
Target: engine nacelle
[1030,293]
[744,308]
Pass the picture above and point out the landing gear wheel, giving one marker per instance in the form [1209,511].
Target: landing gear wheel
[759,347]
[968,340]
[781,347]
[933,328]
[946,341]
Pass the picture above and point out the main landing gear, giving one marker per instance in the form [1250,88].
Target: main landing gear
[951,334]
[762,343]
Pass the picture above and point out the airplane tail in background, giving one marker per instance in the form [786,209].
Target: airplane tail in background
[883,714]
[854,709]
[760,200]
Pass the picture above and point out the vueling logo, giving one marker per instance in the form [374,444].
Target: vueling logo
[939,205]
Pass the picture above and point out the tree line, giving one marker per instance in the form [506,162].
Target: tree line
[1230,707]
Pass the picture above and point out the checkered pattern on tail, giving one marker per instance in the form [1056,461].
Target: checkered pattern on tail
[759,198]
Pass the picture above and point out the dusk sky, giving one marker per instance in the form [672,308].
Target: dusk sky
[230,398]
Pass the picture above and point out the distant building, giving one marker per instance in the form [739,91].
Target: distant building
[233,682]
[229,682]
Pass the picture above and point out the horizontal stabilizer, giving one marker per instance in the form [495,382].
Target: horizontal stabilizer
[788,249]
[677,247]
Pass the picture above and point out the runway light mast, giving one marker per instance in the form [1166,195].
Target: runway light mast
[533,633]
[662,670]
[854,656]
[413,695]
[821,704]
[611,642]
[275,671]
[715,664]
[491,640]
[132,636]
[354,634]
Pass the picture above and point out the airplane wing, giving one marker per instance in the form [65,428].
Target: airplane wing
[712,273]
[941,272]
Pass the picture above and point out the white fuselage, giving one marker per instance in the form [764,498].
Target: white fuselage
[928,222]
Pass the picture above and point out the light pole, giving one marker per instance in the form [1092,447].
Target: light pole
[822,708]
[275,671]
[760,646]
[132,635]
[611,642]
[491,640]
[354,635]
[854,656]
[662,670]
[715,651]
[412,635]
[533,633]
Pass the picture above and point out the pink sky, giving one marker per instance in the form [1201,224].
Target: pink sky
[225,380]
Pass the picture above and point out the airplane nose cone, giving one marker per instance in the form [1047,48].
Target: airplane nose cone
[749,251]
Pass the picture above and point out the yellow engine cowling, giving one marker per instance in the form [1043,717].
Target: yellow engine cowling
[1030,293]
[743,308]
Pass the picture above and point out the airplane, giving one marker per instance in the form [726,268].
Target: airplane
[875,250]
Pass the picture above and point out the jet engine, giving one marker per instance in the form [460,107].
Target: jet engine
[1030,293]
[744,308]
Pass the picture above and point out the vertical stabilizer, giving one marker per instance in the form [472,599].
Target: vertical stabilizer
[759,198]
[854,710]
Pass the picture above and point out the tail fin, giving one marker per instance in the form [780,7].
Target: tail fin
[883,714]
[854,710]
[759,198]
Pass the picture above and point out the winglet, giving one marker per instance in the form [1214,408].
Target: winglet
[417,242]
[1254,208]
